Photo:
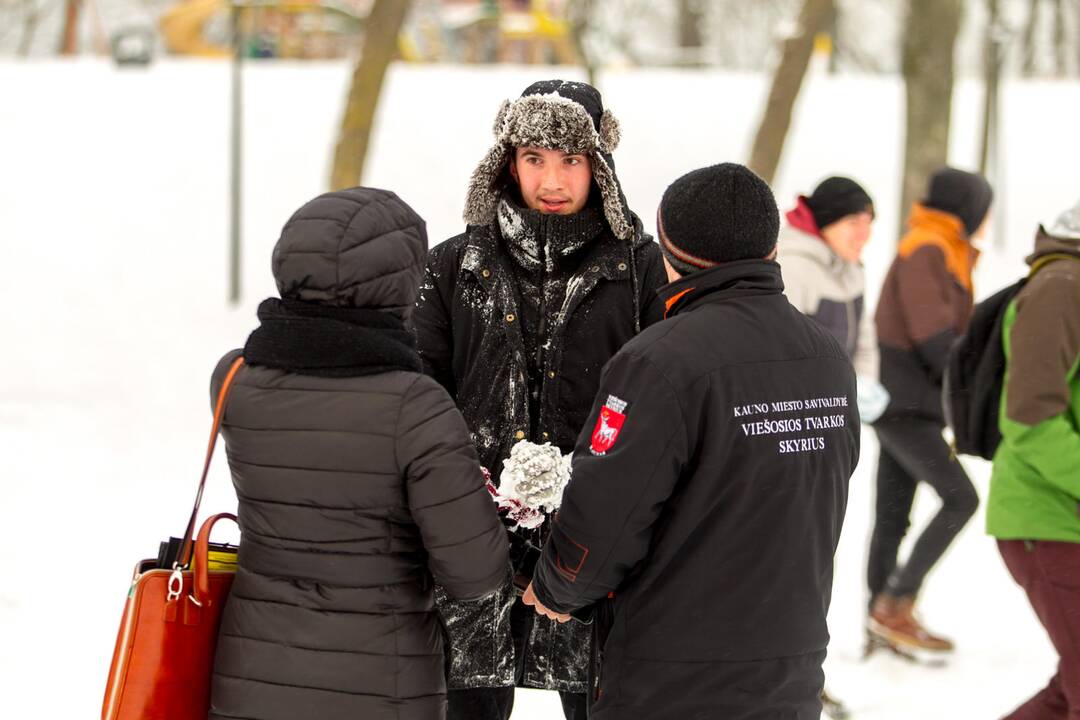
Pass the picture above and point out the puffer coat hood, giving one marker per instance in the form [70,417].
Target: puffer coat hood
[359,248]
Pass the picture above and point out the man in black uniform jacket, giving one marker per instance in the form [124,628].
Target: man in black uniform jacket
[710,482]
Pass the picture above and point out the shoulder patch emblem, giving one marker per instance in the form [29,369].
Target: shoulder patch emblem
[608,425]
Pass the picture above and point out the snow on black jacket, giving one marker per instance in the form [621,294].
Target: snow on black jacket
[353,493]
[708,492]
[469,323]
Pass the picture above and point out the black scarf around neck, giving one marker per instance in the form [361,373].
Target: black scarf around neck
[327,341]
[541,241]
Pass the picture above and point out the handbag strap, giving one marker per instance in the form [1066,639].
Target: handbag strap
[183,560]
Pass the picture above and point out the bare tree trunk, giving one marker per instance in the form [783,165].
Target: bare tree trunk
[991,75]
[787,80]
[581,14]
[929,40]
[832,25]
[1076,33]
[1061,59]
[379,48]
[69,43]
[30,23]
[691,15]
[1030,66]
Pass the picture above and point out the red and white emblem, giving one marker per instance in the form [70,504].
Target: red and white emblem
[608,425]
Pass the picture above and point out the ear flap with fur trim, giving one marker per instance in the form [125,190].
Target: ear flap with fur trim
[614,211]
[610,132]
[482,198]
[499,126]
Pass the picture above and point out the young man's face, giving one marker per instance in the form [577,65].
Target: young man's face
[848,236]
[550,180]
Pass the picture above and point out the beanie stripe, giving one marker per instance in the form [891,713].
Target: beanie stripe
[677,256]
[686,257]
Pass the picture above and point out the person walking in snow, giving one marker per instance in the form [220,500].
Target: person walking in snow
[516,319]
[705,528]
[356,478]
[925,304]
[820,251]
[1034,505]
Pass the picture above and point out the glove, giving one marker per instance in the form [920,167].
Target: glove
[872,399]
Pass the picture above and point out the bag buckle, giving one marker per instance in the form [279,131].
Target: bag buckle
[176,584]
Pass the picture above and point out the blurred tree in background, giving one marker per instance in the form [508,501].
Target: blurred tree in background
[928,47]
[380,45]
[787,80]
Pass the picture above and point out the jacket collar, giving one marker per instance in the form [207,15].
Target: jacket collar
[802,218]
[729,280]
[928,226]
[547,241]
[606,257]
[793,241]
[1047,244]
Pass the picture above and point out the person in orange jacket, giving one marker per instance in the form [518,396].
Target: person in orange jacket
[925,304]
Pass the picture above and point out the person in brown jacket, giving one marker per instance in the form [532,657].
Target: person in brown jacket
[925,304]
[357,482]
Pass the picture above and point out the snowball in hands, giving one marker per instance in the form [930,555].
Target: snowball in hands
[532,482]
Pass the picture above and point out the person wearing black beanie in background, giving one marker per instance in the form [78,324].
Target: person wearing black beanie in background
[925,304]
[821,253]
[710,481]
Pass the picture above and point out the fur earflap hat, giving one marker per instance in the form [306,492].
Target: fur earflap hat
[557,115]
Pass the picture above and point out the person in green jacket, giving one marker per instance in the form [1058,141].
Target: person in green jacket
[1034,504]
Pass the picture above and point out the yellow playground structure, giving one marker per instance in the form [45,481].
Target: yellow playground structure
[525,31]
[269,28]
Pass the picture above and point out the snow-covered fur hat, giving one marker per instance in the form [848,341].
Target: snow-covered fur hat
[557,115]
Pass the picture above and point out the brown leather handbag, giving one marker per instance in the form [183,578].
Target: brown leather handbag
[165,647]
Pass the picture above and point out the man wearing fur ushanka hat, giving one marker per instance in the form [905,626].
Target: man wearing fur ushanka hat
[517,317]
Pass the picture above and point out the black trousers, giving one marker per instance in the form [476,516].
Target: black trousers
[497,703]
[912,451]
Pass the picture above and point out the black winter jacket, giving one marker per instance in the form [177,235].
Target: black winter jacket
[354,492]
[469,333]
[469,323]
[708,492]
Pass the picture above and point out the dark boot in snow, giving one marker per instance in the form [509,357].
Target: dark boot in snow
[833,708]
[892,619]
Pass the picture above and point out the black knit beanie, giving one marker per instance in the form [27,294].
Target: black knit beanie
[963,194]
[715,215]
[838,197]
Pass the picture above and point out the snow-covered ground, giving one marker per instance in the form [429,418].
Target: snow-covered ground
[113,220]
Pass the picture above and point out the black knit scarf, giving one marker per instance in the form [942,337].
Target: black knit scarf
[311,339]
[547,242]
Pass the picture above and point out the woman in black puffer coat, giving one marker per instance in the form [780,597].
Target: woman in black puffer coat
[357,483]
